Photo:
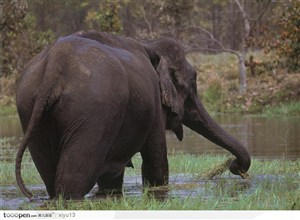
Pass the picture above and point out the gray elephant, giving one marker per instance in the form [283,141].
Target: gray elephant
[90,101]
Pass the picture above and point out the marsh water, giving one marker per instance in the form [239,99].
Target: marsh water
[265,137]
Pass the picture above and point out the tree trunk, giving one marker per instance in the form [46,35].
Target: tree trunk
[242,69]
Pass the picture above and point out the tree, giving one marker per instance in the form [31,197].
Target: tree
[175,15]
[105,17]
[61,17]
[288,39]
[19,37]
[13,13]
[248,26]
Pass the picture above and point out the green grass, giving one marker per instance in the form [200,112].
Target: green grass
[274,185]
[7,165]
[7,110]
[266,196]
[29,173]
[197,166]
[288,109]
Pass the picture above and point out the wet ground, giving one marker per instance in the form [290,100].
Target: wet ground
[180,186]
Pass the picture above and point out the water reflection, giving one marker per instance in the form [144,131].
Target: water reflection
[263,136]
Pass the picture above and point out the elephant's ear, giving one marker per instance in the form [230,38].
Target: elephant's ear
[169,97]
[168,91]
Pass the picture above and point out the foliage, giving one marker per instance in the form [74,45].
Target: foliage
[218,85]
[8,110]
[27,26]
[105,17]
[7,91]
[20,42]
[19,36]
[176,15]
[288,109]
[282,34]
[213,95]
[13,13]
[289,41]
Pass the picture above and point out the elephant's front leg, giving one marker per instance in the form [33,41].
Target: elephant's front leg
[110,183]
[155,171]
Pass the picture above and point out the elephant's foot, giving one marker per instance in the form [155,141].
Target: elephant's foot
[155,173]
[110,183]
[109,192]
[70,187]
[154,181]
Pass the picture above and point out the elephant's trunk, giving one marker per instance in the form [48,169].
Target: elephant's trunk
[197,118]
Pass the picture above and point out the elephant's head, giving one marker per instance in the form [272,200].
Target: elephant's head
[182,105]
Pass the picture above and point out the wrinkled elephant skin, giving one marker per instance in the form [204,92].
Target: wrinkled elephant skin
[90,101]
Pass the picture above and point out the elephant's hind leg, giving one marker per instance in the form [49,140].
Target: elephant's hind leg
[110,183]
[79,166]
[75,177]
[44,163]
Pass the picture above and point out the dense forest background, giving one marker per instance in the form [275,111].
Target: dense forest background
[208,27]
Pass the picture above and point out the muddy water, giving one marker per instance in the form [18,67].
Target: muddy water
[264,137]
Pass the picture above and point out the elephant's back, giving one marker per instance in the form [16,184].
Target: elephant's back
[94,84]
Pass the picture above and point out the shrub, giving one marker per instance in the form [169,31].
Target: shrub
[213,95]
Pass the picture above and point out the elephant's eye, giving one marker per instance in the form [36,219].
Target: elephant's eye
[194,72]
[176,77]
[179,82]
[194,77]
[173,75]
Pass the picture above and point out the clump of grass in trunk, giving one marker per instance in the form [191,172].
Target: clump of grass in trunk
[219,169]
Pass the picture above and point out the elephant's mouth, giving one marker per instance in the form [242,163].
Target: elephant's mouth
[174,123]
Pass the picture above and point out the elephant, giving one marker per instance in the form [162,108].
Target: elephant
[91,100]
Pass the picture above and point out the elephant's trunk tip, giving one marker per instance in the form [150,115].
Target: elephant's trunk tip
[200,121]
[240,168]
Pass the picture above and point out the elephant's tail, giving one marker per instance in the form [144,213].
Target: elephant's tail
[34,120]
[48,94]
